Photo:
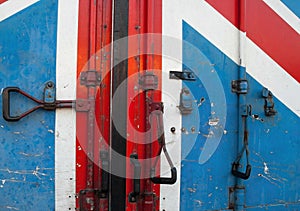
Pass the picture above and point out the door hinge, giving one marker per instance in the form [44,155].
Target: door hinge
[239,86]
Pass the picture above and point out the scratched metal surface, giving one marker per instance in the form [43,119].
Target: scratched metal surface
[204,186]
[273,141]
[27,60]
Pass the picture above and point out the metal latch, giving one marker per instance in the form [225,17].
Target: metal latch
[148,81]
[269,103]
[48,102]
[239,86]
[185,75]
[136,180]
[186,102]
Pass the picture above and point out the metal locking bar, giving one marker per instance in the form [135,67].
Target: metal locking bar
[48,103]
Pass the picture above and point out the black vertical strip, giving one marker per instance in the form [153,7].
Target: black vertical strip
[119,107]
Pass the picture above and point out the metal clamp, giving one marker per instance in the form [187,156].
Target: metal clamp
[148,81]
[269,102]
[239,86]
[186,102]
[185,75]
[48,103]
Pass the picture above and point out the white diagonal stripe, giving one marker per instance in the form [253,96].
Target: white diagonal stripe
[285,13]
[12,7]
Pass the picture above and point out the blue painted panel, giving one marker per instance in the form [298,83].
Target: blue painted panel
[205,185]
[275,148]
[293,5]
[273,141]
[27,60]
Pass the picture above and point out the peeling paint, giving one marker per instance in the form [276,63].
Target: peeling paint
[268,179]
[35,172]
[198,202]
[192,190]
[50,131]
[266,169]
[213,122]
[30,155]
[10,208]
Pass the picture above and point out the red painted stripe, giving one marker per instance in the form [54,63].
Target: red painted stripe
[145,16]
[266,29]
[2,1]
[94,32]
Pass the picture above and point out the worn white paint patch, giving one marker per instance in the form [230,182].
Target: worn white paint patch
[12,7]
[65,125]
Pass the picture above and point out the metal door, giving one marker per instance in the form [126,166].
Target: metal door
[28,61]
[238,120]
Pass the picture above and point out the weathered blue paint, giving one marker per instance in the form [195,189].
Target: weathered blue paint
[206,186]
[275,148]
[293,5]
[273,142]
[28,57]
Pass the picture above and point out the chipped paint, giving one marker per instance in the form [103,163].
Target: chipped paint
[30,155]
[213,122]
[198,202]
[50,131]
[192,190]
[266,169]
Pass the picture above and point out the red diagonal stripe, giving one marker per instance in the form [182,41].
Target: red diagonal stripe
[2,1]
[266,29]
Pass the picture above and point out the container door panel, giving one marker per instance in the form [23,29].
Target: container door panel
[27,61]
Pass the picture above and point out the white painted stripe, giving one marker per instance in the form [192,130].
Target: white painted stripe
[12,7]
[170,194]
[171,60]
[285,13]
[271,75]
[65,126]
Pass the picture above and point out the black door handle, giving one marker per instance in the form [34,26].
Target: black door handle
[164,180]
[239,174]
[136,180]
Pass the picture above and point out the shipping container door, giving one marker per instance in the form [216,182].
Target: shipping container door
[28,49]
[37,63]
[235,127]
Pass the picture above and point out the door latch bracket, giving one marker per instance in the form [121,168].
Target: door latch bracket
[185,75]
[239,86]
